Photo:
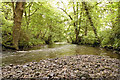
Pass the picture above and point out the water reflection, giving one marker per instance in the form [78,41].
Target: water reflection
[53,51]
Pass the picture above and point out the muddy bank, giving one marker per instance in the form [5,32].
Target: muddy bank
[83,67]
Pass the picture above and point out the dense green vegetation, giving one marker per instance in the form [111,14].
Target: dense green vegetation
[28,24]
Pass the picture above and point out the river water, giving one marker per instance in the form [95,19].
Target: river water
[53,51]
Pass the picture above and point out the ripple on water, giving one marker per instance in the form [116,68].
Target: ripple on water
[53,52]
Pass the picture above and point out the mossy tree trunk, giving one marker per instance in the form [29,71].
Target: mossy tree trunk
[77,21]
[90,20]
[18,13]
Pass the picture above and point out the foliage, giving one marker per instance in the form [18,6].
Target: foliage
[89,39]
[44,23]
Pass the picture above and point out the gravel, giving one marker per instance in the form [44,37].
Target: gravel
[80,67]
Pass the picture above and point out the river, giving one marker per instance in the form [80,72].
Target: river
[53,51]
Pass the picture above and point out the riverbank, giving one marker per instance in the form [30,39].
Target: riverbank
[83,67]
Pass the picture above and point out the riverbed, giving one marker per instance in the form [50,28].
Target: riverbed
[76,67]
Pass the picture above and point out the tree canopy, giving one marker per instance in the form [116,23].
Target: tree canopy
[27,24]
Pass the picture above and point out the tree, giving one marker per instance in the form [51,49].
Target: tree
[75,19]
[90,20]
[18,13]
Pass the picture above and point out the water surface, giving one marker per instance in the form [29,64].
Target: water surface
[53,51]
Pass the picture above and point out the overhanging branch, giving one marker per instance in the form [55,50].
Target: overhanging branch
[66,13]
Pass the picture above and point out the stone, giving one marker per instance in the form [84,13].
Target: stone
[83,78]
[37,73]
[75,67]
[27,64]
[11,65]
[51,75]
[24,66]
[19,71]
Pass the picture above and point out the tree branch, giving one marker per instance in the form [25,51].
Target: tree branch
[30,4]
[95,5]
[66,13]
[32,13]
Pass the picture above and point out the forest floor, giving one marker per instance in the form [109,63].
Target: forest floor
[80,67]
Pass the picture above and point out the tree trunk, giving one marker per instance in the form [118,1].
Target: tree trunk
[18,13]
[118,36]
[75,23]
[91,22]
[86,31]
[77,31]
[27,17]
